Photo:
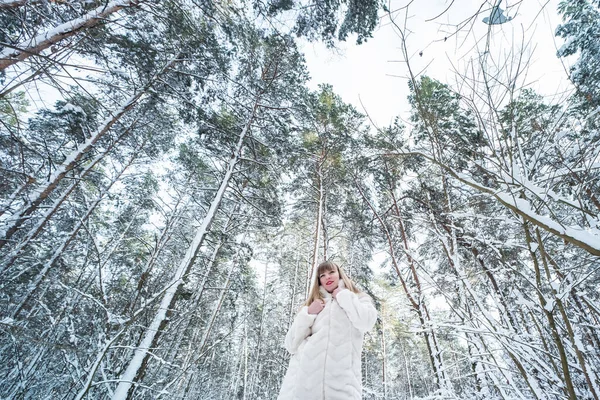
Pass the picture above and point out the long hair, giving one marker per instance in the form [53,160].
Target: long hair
[326,266]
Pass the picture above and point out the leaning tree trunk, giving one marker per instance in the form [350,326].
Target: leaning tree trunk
[43,220]
[137,364]
[199,348]
[45,190]
[14,54]
[192,329]
[58,252]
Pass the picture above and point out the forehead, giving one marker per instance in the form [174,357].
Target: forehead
[326,268]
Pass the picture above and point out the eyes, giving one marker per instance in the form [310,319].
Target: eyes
[326,273]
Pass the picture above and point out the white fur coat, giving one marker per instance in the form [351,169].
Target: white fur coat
[326,349]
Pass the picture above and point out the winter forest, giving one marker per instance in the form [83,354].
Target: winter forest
[169,181]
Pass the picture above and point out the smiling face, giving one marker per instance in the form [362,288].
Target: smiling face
[330,279]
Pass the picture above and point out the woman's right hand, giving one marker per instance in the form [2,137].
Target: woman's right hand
[316,307]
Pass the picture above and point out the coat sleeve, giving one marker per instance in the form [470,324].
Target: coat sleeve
[299,330]
[359,308]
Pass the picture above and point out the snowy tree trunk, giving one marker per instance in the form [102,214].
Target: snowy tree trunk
[8,202]
[94,368]
[324,227]
[136,364]
[192,347]
[33,287]
[14,54]
[217,308]
[585,367]
[164,238]
[556,336]
[42,192]
[291,313]
[257,361]
[35,230]
[384,355]
[245,360]
[416,302]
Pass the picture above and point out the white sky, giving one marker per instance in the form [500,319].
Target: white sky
[372,71]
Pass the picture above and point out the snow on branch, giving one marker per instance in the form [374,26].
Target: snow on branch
[21,51]
[578,236]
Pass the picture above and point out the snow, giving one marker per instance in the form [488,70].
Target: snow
[69,107]
[524,302]
[533,247]
[549,305]
[566,45]
[579,343]
[561,134]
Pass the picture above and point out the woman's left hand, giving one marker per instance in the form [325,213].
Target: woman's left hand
[335,292]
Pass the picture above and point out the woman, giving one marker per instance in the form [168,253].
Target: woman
[326,339]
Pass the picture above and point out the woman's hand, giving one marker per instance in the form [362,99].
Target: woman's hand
[316,307]
[335,292]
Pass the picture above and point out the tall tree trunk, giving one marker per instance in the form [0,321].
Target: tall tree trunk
[94,368]
[192,339]
[137,364]
[324,227]
[556,336]
[291,313]
[591,381]
[257,361]
[383,353]
[416,302]
[318,224]
[165,237]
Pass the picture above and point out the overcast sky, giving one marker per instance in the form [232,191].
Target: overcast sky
[374,72]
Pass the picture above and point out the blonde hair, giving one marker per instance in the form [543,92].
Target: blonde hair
[325,266]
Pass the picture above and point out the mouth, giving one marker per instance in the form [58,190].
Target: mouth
[328,283]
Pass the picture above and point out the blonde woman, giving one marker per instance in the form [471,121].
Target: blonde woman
[326,338]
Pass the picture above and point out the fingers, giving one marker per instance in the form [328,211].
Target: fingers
[316,306]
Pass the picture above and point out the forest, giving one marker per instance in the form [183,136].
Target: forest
[169,181]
